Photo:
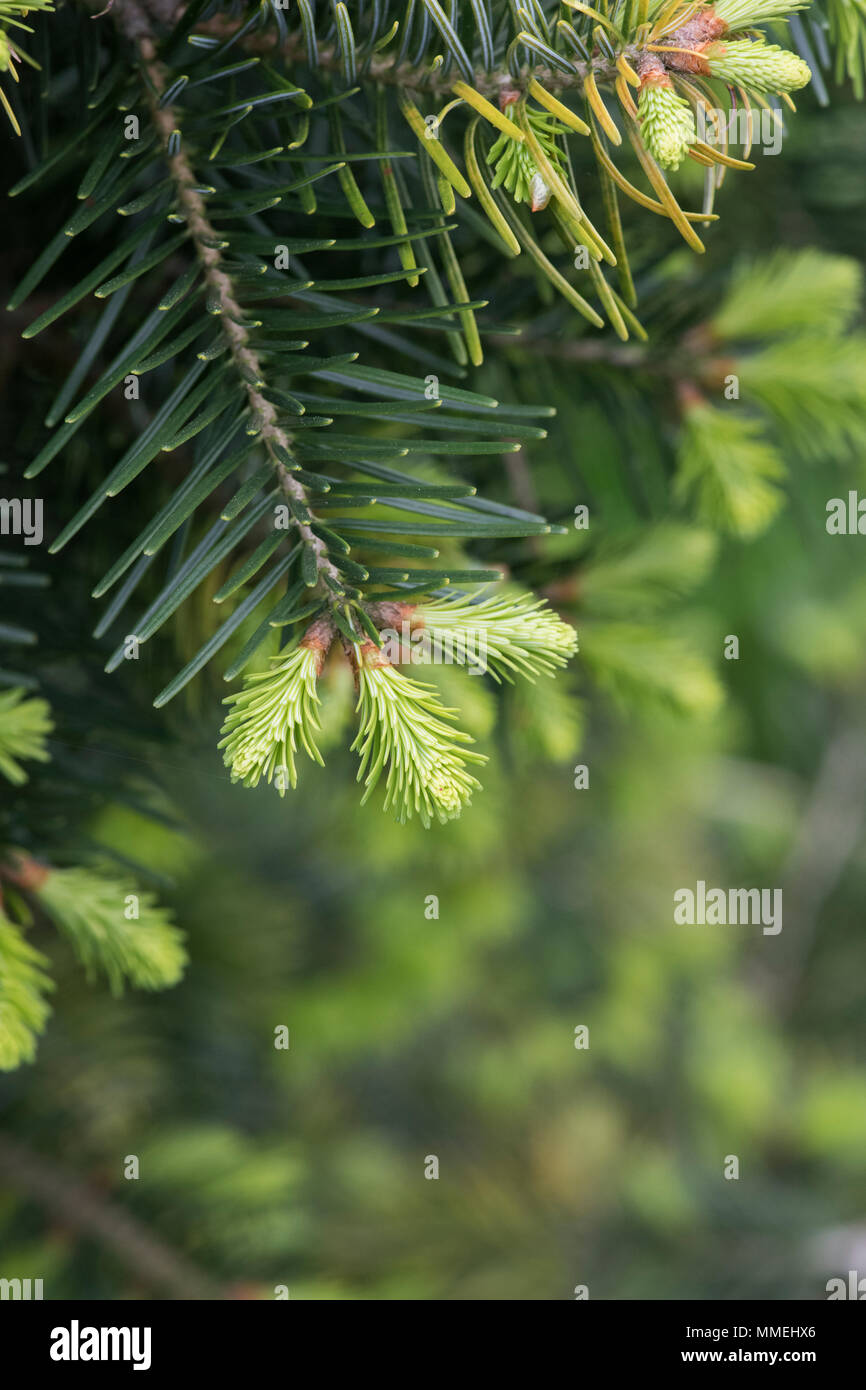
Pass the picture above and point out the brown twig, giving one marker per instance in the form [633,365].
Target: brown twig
[78,1205]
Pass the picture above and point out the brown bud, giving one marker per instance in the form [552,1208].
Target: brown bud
[652,71]
[318,638]
[371,655]
[391,612]
[26,873]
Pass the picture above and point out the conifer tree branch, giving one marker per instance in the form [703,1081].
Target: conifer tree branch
[134,23]
[360,515]
[389,69]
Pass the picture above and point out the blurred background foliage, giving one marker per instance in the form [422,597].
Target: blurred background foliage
[453,1036]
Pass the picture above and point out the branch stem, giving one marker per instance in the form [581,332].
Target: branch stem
[81,1207]
[385,67]
[135,24]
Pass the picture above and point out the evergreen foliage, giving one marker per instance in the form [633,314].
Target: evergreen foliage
[112,927]
[697,408]
[215,136]
[313,250]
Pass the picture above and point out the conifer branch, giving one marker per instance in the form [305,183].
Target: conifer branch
[135,24]
[310,130]
[392,70]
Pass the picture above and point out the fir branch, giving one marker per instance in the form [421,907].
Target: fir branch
[790,291]
[728,468]
[392,69]
[135,24]
[112,927]
[91,909]
[637,665]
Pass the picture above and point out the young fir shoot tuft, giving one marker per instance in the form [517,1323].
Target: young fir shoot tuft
[403,729]
[514,167]
[25,724]
[135,942]
[405,736]
[273,716]
[520,635]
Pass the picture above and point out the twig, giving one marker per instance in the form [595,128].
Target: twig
[134,23]
[80,1206]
